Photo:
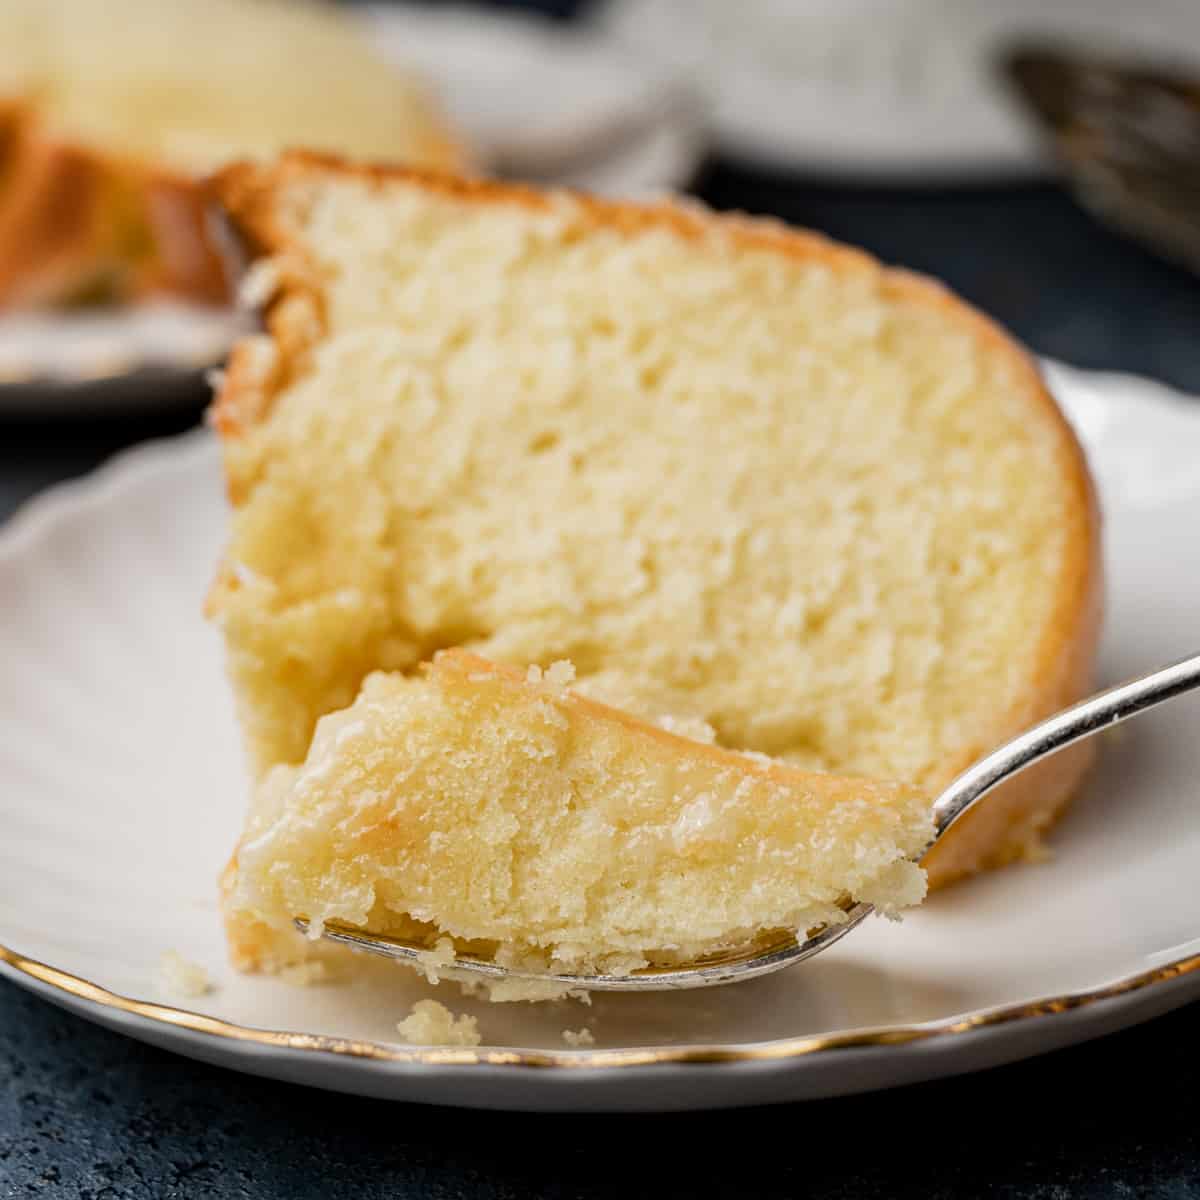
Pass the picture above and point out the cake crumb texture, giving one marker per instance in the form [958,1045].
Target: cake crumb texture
[542,830]
[744,480]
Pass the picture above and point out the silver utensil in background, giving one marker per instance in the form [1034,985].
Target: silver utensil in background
[1127,137]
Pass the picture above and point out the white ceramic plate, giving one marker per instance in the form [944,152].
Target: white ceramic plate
[541,100]
[121,791]
[117,360]
[881,89]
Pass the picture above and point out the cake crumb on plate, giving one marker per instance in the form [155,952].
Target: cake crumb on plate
[433,1024]
[178,976]
[305,974]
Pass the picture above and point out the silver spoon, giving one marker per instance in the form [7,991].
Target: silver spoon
[1089,717]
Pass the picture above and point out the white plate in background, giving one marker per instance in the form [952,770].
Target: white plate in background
[122,789]
[90,361]
[881,89]
[545,100]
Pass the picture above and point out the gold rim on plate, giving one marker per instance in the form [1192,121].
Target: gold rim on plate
[787,1048]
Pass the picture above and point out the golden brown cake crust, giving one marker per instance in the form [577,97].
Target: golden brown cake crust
[1008,824]
[73,220]
[466,664]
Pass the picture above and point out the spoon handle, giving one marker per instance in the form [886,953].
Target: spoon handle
[1090,716]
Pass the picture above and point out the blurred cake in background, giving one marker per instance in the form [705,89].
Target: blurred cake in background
[112,112]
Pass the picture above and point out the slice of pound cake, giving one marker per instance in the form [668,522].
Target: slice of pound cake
[474,802]
[739,476]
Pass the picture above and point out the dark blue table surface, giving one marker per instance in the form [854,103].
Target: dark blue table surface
[84,1113]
